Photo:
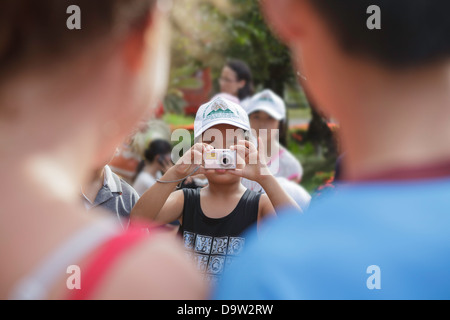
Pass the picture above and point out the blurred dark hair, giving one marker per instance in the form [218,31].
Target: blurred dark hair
[243,72]
[158,147]
[34,33]
[283,132]
[413,32]
[338,175]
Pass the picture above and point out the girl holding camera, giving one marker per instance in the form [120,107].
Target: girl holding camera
[214,218]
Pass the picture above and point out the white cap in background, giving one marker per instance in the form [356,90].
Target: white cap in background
[268,102]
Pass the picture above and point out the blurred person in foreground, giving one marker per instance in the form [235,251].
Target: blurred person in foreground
[67,99]
[383,233]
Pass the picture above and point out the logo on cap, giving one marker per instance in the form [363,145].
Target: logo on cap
[266,96]
[219,109]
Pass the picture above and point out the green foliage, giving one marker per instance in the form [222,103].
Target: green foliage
[322,177]
[180,78]
[252,41]
[208,32]
[175,119]
[316,169]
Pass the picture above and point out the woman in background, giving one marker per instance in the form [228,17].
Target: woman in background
[236,79]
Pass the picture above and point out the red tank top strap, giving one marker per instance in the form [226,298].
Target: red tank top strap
[105,257]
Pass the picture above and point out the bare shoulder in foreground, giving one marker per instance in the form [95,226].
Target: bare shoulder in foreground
[155,269]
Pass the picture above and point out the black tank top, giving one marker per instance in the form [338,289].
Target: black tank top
[214,243]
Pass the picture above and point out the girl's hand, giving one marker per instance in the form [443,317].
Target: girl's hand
[254,159]
[192,159]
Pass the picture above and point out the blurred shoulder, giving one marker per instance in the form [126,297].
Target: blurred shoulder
[157,268]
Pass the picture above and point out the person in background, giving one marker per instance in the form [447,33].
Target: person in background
[157,160]
[236,79]
[384,233]
[267,113]
[108,191]
[68,98]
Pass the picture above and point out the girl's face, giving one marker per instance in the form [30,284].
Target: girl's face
[260,120]
[229,82]
[223,136]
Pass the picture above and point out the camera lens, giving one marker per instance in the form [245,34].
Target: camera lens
[225,161]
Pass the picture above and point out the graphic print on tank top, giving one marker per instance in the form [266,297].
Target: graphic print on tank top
[214,243]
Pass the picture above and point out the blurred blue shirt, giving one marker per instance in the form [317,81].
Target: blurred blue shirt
[359,241]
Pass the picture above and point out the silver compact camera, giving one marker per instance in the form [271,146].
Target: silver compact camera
[220,159]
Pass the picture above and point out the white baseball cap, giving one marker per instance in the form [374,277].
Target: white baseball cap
[268,102]
[220,111]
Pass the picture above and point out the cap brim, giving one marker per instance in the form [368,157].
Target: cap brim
[222,121]
[269,110]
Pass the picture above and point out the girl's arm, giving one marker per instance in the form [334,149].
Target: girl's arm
[160,203]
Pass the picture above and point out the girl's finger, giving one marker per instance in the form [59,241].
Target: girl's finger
[200,170]
[261,147]
[248,144]
[241,150]
[242,154]
[196,157]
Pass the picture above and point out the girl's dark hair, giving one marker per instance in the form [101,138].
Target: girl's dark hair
[283,132]
[35,33]
[156,148]
[243,72]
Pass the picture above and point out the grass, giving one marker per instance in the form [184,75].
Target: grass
[299,113]
[178,119]
[181,120]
